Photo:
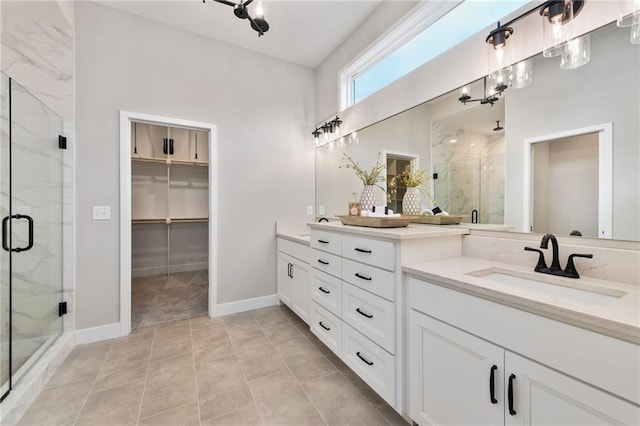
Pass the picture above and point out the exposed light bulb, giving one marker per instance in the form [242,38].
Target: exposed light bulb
[259,10]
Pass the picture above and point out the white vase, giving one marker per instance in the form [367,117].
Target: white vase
[411,202]
[368,198]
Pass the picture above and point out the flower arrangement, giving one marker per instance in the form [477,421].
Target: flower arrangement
[417,179]
[368,177]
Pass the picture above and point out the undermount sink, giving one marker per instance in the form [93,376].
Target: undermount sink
[561,290]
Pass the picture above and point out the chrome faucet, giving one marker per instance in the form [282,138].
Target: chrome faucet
[555,269]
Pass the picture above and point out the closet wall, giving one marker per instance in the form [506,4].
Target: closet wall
[169,199]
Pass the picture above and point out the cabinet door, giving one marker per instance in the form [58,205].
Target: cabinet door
[148,141]
[301,290]
[542,396]
[199,147]
[450,375]
[285,282]
[179,149]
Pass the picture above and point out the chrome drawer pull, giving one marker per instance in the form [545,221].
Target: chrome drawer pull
[366,361]
[363,313]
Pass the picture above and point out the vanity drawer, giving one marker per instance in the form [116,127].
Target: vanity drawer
[327,291]
[325,262]
[369,314]
[372,252]
[326,241]
[374,365]
[376,280]
[327,327]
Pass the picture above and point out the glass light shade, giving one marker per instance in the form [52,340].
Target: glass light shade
[259,10]
[577,53]
[500,79]
[521,74]
[557,27]
[498,58]
[635,33]
[628,13]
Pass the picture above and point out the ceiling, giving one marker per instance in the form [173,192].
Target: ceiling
[303,32]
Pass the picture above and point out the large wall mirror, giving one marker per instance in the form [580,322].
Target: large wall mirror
[560,155]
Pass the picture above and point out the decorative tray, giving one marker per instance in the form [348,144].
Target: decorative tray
[375,222]
[452,219]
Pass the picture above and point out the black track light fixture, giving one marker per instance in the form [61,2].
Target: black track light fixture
[259,24]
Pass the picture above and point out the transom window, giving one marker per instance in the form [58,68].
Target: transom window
[432,30]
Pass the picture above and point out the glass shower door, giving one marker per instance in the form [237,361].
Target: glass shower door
[32,230]
[5,271]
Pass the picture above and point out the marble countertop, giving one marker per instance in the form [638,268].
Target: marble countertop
[301,238]
[413,231]
[617,316]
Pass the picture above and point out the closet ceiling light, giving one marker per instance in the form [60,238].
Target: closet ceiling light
[259,24]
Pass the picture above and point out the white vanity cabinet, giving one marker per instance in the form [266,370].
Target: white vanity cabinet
[456,377]
[353,311]
[293,277]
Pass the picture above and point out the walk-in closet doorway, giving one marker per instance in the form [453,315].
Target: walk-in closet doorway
[167,220]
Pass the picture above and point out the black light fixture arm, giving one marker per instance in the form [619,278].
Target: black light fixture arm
[259,24]
[577,7]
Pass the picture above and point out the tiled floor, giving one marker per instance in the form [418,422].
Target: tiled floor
[161,299]
[262,367]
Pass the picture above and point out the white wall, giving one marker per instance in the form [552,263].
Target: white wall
[263,109]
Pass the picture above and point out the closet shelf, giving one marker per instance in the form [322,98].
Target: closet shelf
[168,161]
[171,220]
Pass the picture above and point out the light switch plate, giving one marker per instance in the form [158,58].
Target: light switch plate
[101,213]
[320,210]
[309,210]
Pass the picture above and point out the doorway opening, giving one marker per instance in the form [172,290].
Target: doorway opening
[168,227]
[569,172]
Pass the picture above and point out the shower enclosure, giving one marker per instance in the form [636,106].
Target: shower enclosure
[31,211]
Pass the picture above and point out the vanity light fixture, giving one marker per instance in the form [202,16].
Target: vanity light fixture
[328,129]
[557,25]
[629,16]
[558,40]
[491,94]
[259,24]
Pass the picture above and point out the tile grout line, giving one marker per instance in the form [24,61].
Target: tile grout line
[343,376]
[290,371]
[246,382]
[195,373]
[94,383]
[146,376]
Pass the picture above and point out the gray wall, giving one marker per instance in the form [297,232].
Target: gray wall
[264,110]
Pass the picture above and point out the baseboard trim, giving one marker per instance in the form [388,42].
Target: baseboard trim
[97,334]
[244,305]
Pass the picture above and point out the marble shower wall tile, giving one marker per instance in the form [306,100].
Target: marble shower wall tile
[469,172]
[39,57]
